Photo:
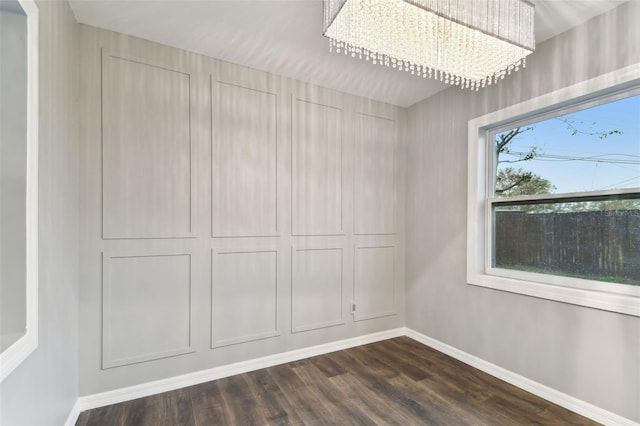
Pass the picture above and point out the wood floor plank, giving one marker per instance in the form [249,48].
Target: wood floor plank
[272,402]
[145,411]
[240,402]
[328,366]
[443,368]
[111,415]
[378,408]
[83,418]
[347,414]
[376,376]
[399,360]
[311,410]
[443,411]
[364,358]
[208,404]
[394,382]
[178,408]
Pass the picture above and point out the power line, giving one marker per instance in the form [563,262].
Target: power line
[594,158]
[621,182]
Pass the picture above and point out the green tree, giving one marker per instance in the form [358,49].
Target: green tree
[511,182]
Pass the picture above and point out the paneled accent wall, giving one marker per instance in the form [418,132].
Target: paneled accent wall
[244,296]
[316,168]
[244,153]
[375,281]
[146,149]
[375,175]
[317,288]
[228,213]
[146,307]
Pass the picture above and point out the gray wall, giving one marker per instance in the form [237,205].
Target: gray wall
[43,389]
[13,167]
[590,354]
[228,214]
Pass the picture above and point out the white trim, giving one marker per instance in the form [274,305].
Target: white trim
[151,388]
[598,295]
[13,356]
[164,385]
[72,418]
[562,399]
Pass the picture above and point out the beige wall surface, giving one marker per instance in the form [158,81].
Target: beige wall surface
[43,389]
[227,214]
[590,354]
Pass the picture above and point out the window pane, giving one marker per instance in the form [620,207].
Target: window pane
[594,149]
[598,240]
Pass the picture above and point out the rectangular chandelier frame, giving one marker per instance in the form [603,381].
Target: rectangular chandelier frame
[470,43]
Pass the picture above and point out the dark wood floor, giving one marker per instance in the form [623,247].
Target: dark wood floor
[394,382]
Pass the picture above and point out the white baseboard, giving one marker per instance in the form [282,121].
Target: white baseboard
[72,418]
[138,391]
[576,405]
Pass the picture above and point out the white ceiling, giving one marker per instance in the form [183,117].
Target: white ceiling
[285,38]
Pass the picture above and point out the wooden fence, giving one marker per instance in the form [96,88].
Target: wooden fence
[600,244]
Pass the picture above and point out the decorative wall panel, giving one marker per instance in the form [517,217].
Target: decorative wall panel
[243,296]
[244,158]
[224,200]
[146,150]
[146,307]
[316,288]
[374,286]
[316,169]
[375,181]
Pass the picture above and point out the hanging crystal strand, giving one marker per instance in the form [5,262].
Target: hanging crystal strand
[468,52]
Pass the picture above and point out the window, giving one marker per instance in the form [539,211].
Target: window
[554,195]
[18,182]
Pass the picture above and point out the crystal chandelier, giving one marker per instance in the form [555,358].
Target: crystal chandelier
[469,43]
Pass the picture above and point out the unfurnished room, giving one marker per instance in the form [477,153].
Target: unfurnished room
[319,212]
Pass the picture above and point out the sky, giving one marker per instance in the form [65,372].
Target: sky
[584,161]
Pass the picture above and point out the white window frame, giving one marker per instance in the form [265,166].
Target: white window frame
[595,294]
[15,354]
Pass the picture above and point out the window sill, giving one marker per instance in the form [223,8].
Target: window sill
[615,302]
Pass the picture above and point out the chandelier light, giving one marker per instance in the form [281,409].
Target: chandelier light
[469,43]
